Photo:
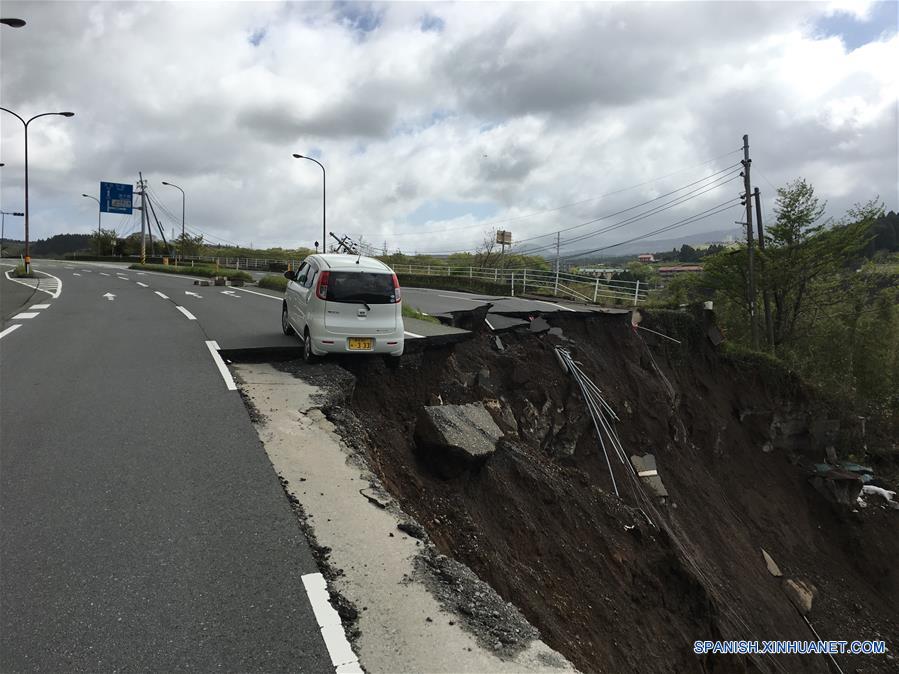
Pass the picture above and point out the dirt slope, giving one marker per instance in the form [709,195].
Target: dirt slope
[613,593]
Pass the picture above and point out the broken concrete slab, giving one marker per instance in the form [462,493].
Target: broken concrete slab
[646,470]
[800,593]
[456,437]
[503,415]
[539,325]
[839,486]
[773,569]
[377,496]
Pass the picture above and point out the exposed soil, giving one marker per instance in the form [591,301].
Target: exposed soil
[606,587]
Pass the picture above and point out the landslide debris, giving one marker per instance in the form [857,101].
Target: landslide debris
[612,587]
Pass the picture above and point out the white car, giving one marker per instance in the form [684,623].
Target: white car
[343,304]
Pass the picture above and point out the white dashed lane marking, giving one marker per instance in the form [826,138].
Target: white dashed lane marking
[10,329]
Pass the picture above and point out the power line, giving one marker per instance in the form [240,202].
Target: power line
[721,208]
[691,194]
[575,203]
[640,216]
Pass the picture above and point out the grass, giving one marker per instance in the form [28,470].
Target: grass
[206,272]
[412,312]
[273,282]
[20,272]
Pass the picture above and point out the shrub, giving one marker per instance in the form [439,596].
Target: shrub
[206,272]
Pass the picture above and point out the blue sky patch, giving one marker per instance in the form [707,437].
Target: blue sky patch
[439,209]
[361,17]
[431,23]
[882,21]
[257,36]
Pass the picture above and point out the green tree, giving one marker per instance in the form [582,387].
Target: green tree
[803,260]
[188,245]
[107,241]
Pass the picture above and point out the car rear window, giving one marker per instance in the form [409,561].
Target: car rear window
[372,288]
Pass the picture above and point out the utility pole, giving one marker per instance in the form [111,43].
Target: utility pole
[748,201]
[769,325]
[558,245]
[142,186]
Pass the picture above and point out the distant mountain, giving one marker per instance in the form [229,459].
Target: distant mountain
[662,245]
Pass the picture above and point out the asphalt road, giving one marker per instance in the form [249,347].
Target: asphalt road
[142,526]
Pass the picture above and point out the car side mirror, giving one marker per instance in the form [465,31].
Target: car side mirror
[289,275]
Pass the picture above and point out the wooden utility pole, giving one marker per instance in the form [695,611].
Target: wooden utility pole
[769,325]
[748,201]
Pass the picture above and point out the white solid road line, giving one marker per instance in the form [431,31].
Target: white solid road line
[184,311]
[464,299]
[220,364]
[142,285]
[165,297]
[25,314]
[342,656]
[412,334]
[10,329]
[552,304]
[253,292]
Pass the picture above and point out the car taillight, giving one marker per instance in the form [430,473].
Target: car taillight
[397,295]
[321,290]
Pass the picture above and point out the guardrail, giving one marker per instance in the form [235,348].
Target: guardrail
[558,284]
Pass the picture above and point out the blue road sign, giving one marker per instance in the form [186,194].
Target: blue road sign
[116,198]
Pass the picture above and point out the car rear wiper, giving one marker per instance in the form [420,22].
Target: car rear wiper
[362,302]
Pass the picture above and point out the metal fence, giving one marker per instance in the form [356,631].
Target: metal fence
[536,281]
[519,281]
[247,263]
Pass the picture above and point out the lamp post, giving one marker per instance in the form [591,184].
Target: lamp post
[98,220]
[182,217]
[324,229]
[25,124]
[13,23]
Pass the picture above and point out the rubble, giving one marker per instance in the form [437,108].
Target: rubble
[600,576]
[802,594]
[456,437]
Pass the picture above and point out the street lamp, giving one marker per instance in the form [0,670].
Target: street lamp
[324,234]
[182,217]
[43,114]
[14,23]
[98,220]
[3,225]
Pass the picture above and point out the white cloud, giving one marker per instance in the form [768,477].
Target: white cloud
[567,102]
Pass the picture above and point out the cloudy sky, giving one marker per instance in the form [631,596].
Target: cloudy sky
[438,122]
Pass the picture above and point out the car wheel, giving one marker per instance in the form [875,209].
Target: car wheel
[308,356]
[286,327]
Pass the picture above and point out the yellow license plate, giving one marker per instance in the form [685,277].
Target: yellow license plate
[360,343]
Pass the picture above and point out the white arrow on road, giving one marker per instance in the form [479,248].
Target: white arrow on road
[188,292]
[231,293]
[109,296]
